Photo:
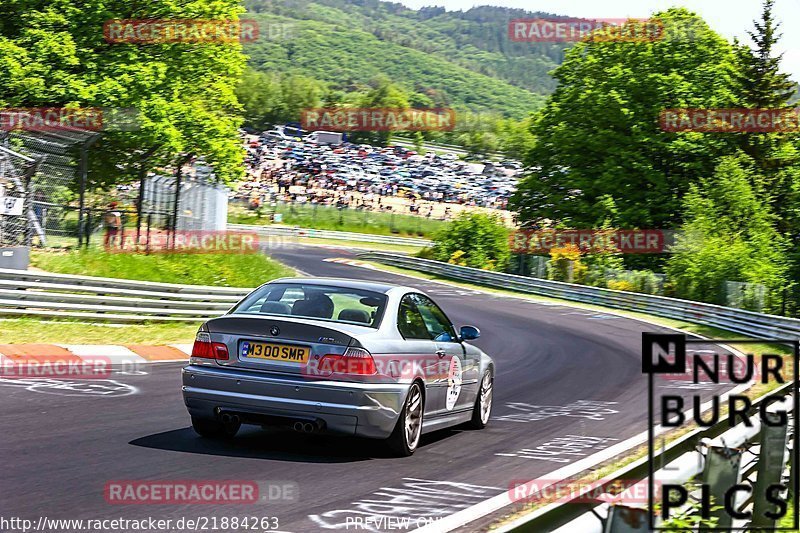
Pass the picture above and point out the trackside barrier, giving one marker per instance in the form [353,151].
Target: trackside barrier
[45,294]
[755,455]
[295,232]
[752,324]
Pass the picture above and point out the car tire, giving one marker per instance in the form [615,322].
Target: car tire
[483,403]
[214,429]
[408,430]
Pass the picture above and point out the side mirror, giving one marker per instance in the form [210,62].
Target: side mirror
[468,333]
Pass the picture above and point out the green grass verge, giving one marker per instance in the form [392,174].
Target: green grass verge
[223,270]
[30,330]
[330,218]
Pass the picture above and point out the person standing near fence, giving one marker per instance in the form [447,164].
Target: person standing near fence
[112,220]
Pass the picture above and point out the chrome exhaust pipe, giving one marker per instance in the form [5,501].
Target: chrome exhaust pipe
[308,427]
[226,418]
[298,426]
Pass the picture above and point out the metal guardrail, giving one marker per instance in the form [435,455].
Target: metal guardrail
[45,294]
[405,141]
[756,325]
[582,515]
[295,232]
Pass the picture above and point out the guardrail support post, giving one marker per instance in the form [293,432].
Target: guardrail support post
[625,519]
[769,471]
[721,473]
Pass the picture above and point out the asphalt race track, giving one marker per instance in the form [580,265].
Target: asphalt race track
[563,374]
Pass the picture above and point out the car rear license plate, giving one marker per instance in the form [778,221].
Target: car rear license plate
[275,352]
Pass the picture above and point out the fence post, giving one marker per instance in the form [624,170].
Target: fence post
[147,242]
[721,473]
[772,441]
[88,226]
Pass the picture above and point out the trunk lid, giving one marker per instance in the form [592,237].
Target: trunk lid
[275,345]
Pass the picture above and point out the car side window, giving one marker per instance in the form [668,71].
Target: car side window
[436,322]
[409,320]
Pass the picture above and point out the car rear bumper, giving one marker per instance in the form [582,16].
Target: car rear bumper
[364,410]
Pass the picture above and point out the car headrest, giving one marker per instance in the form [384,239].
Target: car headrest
[276,308]
[317,305]
[354,315]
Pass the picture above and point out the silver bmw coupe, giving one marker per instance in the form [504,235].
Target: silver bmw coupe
[337,356]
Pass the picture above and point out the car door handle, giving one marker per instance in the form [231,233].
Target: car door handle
[441,353]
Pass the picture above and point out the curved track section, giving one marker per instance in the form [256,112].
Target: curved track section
[568,384]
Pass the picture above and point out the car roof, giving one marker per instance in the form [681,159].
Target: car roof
[347,283]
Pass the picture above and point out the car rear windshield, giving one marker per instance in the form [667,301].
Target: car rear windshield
[320,302]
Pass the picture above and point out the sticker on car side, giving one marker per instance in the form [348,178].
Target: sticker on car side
[453,383]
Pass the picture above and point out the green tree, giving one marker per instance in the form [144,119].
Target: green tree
[476,239]
[728,235]
[269,99]
[761,82]
[382,94]
[599,133]
[53,54]
[762,85]
[260,96]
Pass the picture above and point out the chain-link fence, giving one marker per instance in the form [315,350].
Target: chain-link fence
[202,204]
[47,169]
[15,176]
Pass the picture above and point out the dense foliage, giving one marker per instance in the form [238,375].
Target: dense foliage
[53,54]
[598,139]
[475,240]
[456,58]
[729,235]
[600,158]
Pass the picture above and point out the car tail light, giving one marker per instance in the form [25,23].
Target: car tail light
[353,361]
[205,349]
